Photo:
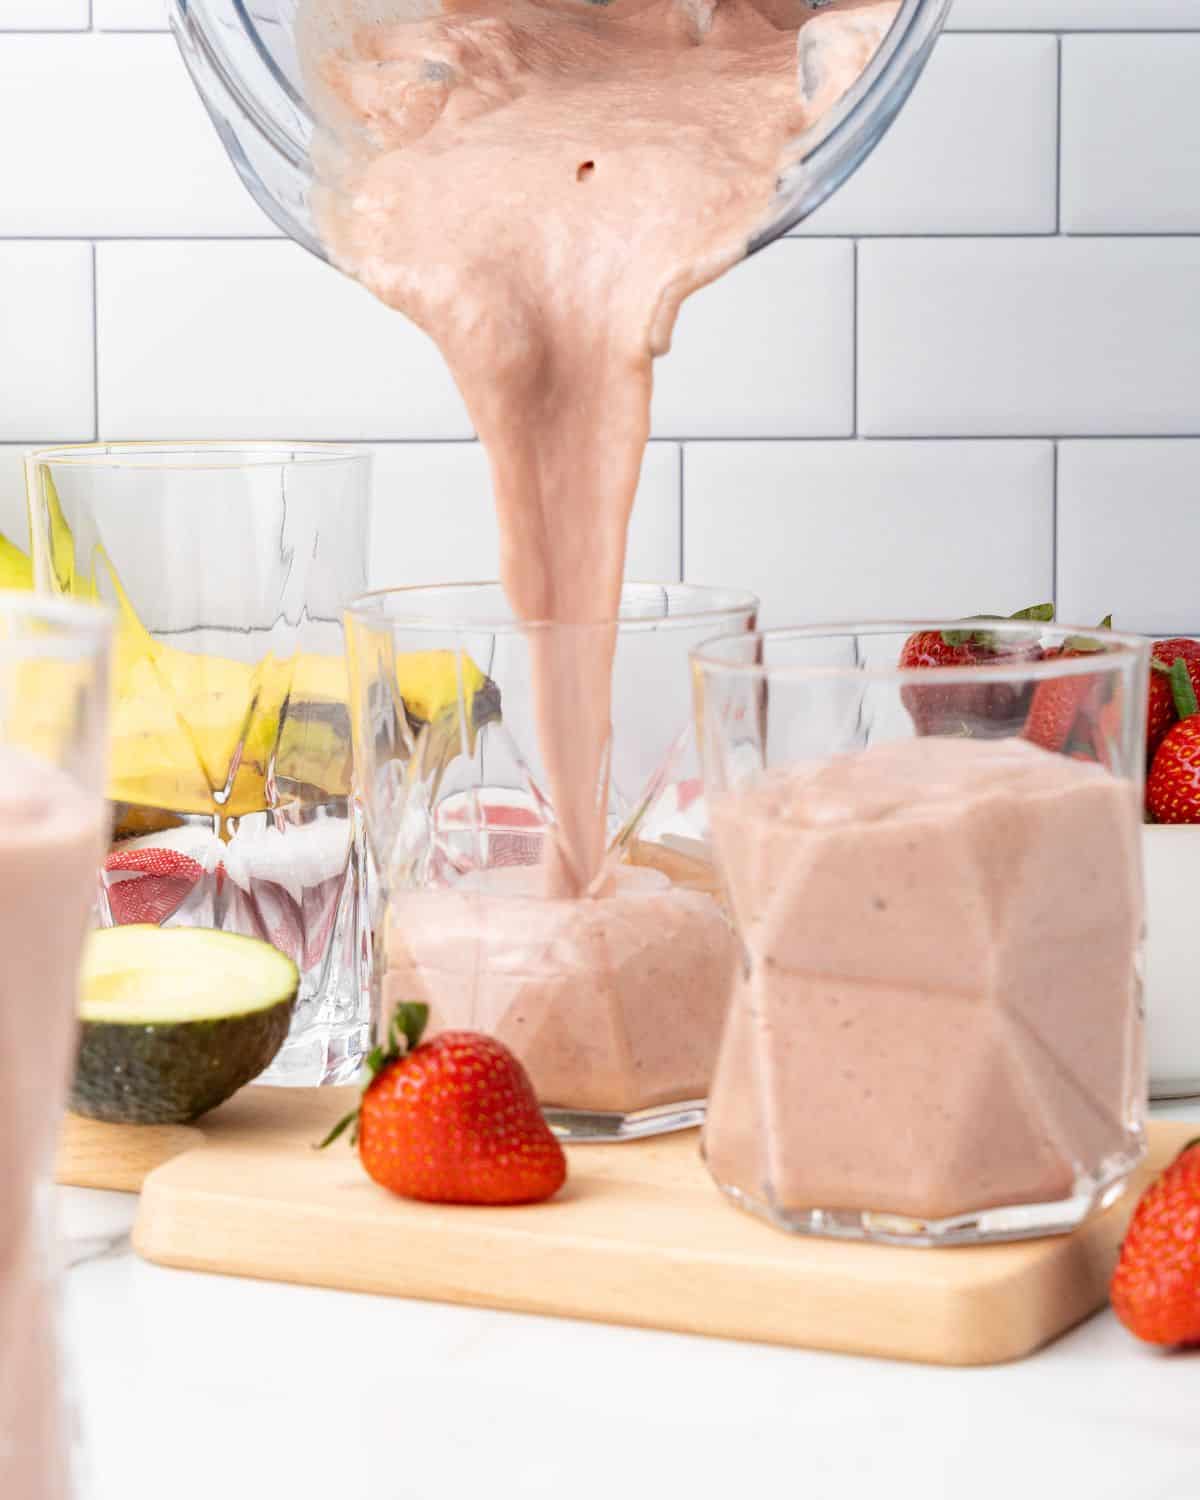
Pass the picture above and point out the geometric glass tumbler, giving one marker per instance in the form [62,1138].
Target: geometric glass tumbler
[227,566]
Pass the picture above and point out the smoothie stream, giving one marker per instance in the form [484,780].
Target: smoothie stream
[51,843]
[539,184]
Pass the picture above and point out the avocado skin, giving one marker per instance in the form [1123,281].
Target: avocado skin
[168,1073]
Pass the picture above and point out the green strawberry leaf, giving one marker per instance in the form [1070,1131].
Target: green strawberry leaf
[340,1129]
[408,1023]
[987,640]
[1182,690]
[405,1030]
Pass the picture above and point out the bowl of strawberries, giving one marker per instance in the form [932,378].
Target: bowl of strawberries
[1071,717]
[1172,864]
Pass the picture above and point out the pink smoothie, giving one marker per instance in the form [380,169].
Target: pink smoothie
[539,184]
[938,1010]
[613,1004]
[51,842]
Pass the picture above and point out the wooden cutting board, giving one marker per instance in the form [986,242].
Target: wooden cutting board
[639,1236]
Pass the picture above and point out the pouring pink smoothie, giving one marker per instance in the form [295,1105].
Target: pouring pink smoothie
[539,184]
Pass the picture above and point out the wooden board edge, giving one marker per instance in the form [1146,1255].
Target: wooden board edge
[87,1154]
[681,1292]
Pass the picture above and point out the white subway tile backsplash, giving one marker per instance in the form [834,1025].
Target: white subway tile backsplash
[205,340]
[43,15]
[135,154]
[1131,134]
[46,360]
[1129,534]
[961,319]
[829,531]
[972,152]
[1029,337]
[129,15]
[434,522]
[1074,15]
[766,351]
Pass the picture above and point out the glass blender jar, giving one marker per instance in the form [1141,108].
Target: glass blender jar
[244,60]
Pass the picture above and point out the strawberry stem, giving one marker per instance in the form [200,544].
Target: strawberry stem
[1182,690]
[1043,613]
[986,639]
[405,1031]
[340,1129]
[408,1022]
[1085,643]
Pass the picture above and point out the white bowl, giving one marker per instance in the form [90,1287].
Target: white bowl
[1173,959]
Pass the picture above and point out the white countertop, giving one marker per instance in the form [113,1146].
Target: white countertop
[209,1388]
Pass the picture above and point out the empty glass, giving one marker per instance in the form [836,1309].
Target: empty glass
[935,1035]
[53,703]
[614,1001]
[227,567]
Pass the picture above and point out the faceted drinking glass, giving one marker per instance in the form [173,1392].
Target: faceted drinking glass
[613,1001]
[53,829]
[935,1033]
[227,566]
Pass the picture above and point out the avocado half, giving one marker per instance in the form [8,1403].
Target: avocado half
[174,1020]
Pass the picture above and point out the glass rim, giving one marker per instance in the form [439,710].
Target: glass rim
[248,453]
[1119,647]
[365,609]
[84,628]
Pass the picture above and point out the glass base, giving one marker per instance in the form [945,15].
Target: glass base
[320,1056]
[1163,1090]
[588,1126]
[989,1226]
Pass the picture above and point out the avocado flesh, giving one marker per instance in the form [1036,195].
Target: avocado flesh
[173,1021]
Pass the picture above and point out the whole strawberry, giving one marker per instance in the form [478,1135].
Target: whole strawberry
[1156,1289]
[968,708]
[1173,788]
[1161,713]
[1059,702]
[453,1120]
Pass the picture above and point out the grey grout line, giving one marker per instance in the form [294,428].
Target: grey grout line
[1058,140]
[854,357]
[95,346]
[142,239]
[1060,30]
[682,499]
[898,437]
[1054,528]
[1040,235]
